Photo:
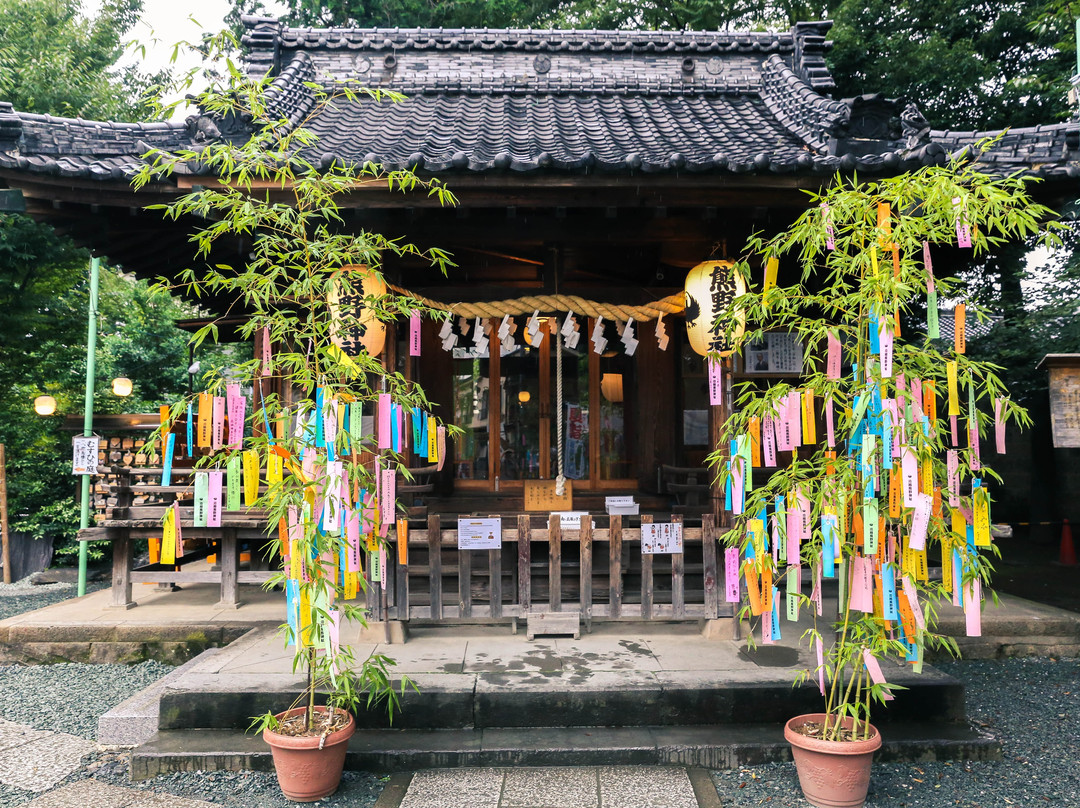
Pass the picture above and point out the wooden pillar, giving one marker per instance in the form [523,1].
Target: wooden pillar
[524,564]
[555,563]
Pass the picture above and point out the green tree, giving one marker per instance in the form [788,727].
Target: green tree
[54,60]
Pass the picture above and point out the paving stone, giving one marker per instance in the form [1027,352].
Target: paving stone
[44,762]
[95,794]
[12,734]
[454,788]
[550,788]
[645,787]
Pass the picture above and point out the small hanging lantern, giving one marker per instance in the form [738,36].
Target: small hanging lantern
[121,386]
[711,287]
[363,329]
[611,387]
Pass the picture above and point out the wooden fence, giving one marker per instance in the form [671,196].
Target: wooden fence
[599,572]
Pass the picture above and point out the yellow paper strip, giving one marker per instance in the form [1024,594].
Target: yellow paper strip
[772,267]
[954,391]
[168,538]
[403,542]
[981,517]
[755,442]
[205,421]
[251,476]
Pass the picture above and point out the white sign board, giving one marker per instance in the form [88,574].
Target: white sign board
[84,455]
[479,534]
[570,520]
[661,537]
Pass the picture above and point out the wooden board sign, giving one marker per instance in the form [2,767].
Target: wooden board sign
[1065,406]
[540,496]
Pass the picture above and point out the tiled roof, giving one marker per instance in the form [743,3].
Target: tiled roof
[548,101]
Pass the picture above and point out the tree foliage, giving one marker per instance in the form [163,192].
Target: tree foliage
[54,60]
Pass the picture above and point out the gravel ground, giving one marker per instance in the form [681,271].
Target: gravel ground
[1032,705]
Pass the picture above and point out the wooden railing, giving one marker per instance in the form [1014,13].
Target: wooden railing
[599,572]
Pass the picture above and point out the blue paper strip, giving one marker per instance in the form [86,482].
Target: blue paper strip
[166,466]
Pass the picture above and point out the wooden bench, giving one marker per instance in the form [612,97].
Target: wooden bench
[138,513]
[688,486]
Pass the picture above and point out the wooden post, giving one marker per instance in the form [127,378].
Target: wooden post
[615,565]
[4,516]
[646,575]
[678,581]
[495,581]
[555,563]
[586,570]
[709,556]
[434,534]
[464,583]
[524,564]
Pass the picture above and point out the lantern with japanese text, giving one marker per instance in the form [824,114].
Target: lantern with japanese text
[711,288]
[355,325]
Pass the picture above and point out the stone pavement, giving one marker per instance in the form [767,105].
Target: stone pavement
[95,794]
[35,760]
[586,787]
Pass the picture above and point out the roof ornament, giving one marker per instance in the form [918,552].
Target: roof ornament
[232,127]
[914,126]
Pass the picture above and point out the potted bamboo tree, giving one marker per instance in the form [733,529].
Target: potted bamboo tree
[872,456]
[316,305]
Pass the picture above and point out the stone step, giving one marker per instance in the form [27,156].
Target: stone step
[563,699]
[709,746]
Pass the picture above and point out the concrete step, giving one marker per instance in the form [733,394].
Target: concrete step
[710,746]
[565,699]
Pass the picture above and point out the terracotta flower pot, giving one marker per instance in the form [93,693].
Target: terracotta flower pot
[833,774]
[305,772]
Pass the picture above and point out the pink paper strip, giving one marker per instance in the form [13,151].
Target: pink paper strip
[830,424]
[794,417]
[731,575]
[382,562]
[441,441]
[920,521]
[387,504]
[414,334]
[235,404]
[766,628]
[768,438]
[885,340]
[973,443]
[952,463]
[217,439]
[213,515]
[265,357]
[385,432]
[915,390]
[716,383]
[954,427]
[816,594]
[973,608]
[999,424]
[861,596]
[929,267]
[874,668]
[833,363]
[352,539]
[913,599]
[909,473]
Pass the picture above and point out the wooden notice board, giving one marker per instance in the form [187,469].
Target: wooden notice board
[540,496]
[1065,407]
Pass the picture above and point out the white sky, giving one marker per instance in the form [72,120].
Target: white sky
[166,22]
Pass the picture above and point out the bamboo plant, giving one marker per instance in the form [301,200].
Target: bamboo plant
[886,471]
[271,191]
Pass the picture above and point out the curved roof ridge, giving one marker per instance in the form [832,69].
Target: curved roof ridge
[798,106]
[265,33]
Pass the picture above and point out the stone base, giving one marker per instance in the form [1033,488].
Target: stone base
[377,631]
[723,628]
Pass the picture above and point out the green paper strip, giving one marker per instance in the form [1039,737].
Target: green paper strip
[233,483]
[933,330]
